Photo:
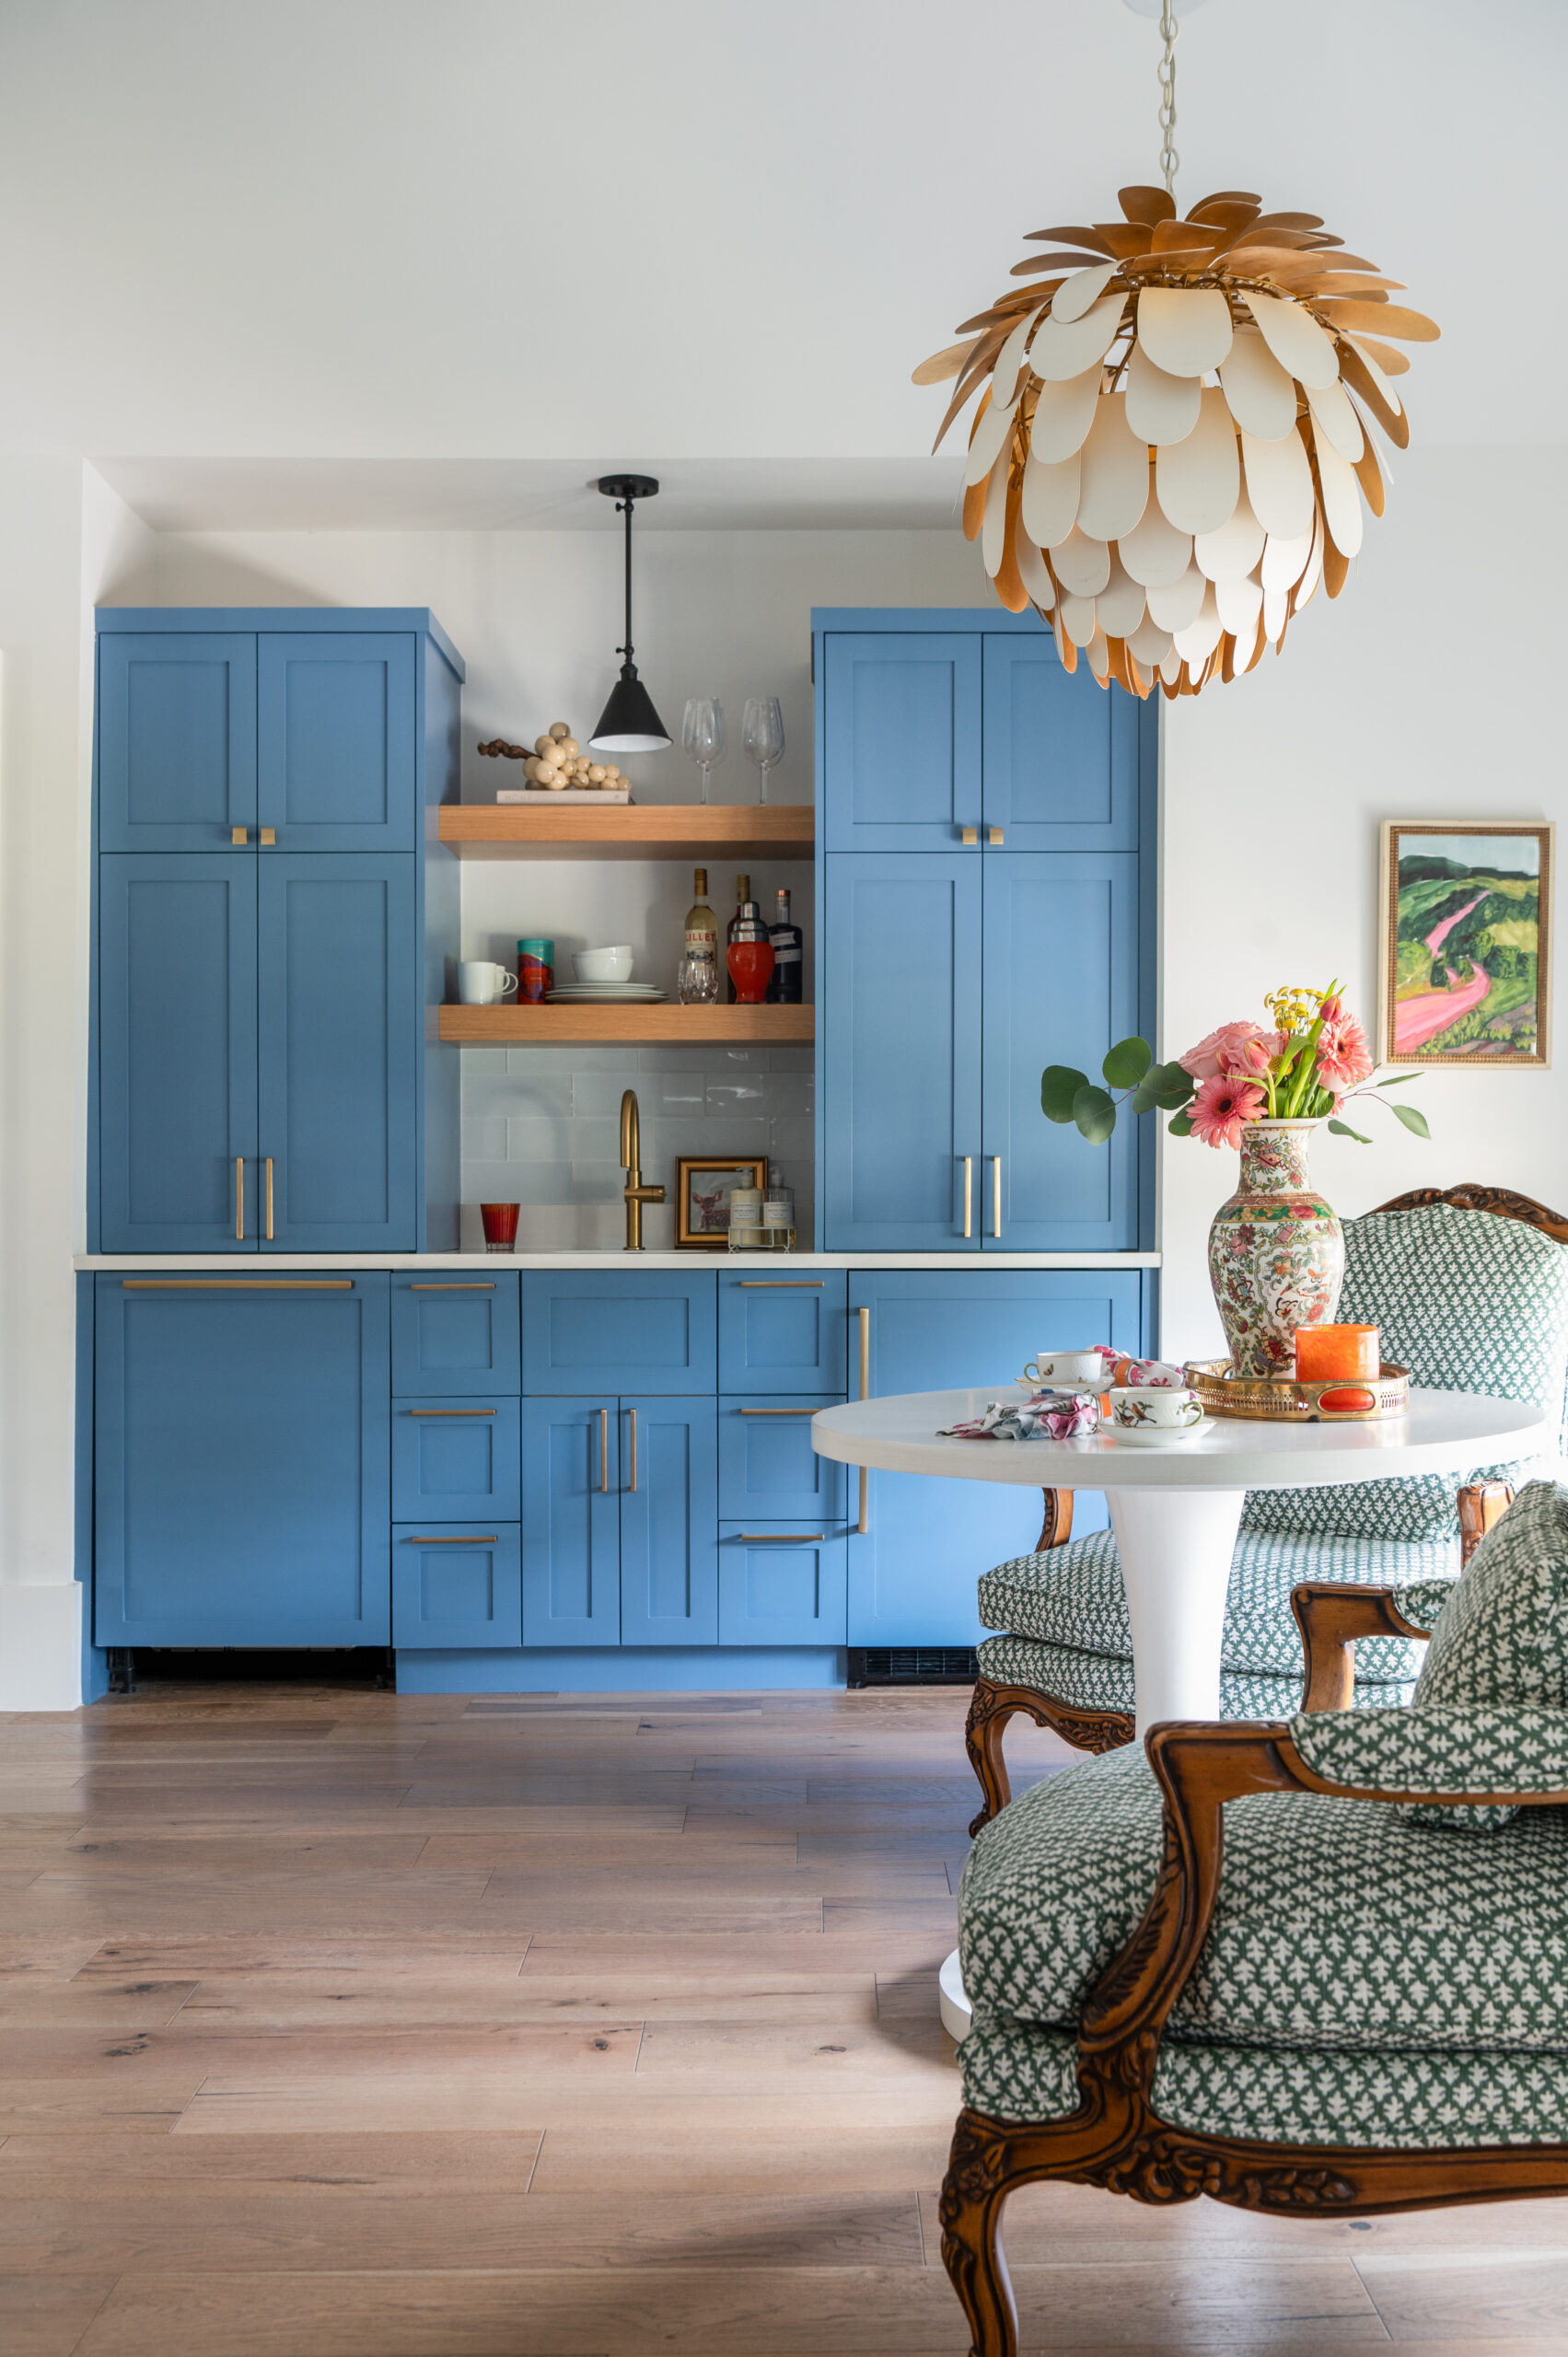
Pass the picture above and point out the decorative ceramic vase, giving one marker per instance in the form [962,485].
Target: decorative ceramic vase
[1276,1251]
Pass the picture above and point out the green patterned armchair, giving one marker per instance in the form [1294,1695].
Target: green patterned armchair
[1319,1967]
[1470,1289]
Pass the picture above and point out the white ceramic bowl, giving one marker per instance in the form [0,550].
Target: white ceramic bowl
[603,965]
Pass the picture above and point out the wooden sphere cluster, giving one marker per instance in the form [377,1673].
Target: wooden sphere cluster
[557,761]
[1173,447]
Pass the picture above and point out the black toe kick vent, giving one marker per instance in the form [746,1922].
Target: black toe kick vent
[911,1665]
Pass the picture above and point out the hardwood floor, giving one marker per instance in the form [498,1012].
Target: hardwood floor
[335,2024]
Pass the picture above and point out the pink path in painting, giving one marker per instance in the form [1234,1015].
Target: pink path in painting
[1417,1019]
[1440,933]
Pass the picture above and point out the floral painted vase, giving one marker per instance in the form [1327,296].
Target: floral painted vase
[1276,1252]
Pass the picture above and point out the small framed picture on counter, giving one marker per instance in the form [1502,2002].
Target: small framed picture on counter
[702,1184]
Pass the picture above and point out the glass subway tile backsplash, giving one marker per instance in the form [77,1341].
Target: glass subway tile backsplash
[541,1127]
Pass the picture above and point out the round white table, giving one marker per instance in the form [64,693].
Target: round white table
[1176,1510]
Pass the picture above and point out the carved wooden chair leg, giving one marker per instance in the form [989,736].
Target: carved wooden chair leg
[972,2194]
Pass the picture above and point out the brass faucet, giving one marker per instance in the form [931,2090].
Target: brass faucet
[636,1194]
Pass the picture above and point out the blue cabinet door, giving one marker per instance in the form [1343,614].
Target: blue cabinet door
[1062,754]
[900,1056]
[669,1522]
[241,1462]
[781,1333]
[454,1337]
[781,1588]
[457,1583]
[767,1470]
[571,1522]
[455,1460]
[587,1329]
[339,1040]
[176,1053]
[336,740]
[901,739]
[1062,984]
[175,739]
[912,1575]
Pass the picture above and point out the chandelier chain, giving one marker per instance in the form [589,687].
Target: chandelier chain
[1169,160]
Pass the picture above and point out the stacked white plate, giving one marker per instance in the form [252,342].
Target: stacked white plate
[605,994]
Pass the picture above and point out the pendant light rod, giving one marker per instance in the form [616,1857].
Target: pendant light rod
[629,722]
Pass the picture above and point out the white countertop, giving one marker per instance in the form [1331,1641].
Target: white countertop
[257,1261]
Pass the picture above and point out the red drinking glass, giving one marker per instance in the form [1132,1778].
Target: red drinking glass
[751,969]
[500,1226]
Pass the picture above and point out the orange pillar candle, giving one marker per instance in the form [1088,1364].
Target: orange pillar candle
[1324,1350]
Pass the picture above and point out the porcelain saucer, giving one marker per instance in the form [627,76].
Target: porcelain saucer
[1158,1435]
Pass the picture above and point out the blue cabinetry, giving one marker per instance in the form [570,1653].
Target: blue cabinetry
[456,1585]
[669,1522]
[767,1470]
[454,1337]
[336,742]
[1061,757]
[175,739]
[572,1521]
[587,1329]
[620,1521]
[902,738]
[781,1333]
[781,1588]
[241,1466]
[454,1460]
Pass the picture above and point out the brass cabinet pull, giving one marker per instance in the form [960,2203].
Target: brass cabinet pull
[451,1411]
[782,1284]
[863,1521]
[996,1194]
[603,1450]
[236,1284]
[457,1539]
[269,1198]
[267,835]
[631,1485]
[781,1537]
[993,835]
[778,1411]
[240,1199]
[971,834]
[239,834]
[969,1194]
[455,1288]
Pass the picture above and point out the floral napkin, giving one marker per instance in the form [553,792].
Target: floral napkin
[1049,1415]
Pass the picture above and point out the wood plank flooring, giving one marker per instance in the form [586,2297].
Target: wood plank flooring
[336,2024]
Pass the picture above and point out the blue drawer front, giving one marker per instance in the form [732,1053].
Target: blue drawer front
[454,1338]
[455,1460]
[781,1588]
[585,1331]
[571,1522]
[768,1468]
[781,1333]
[457,1583]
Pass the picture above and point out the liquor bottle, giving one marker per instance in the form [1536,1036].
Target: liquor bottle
[788,971]
[702,926]
[750,957]
[743,901]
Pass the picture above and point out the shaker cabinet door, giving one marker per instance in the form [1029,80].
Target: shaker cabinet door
[175,739]
[176,1053]
[571,1522]
[336,743]
[1062,754]
[902,768]
[670,1573]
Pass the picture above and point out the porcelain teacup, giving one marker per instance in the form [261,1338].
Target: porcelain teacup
[1065,1368]
[1132,1408]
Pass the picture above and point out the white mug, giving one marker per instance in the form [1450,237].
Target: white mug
[481,984]
[1064,1367]
[1132,1408]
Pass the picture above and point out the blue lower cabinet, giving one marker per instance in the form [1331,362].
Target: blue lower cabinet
[587,1329]
[768,1468]
[781,1333]
[241,1462]
[668,1452]
[454,1337]
[451,1458]
[780,1586]
[457,1583]
[571,1483]
[913,1572]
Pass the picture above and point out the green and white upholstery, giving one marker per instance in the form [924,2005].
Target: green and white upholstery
[1468,1301]
[1373,1974]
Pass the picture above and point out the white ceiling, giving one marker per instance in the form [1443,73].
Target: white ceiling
[520,242]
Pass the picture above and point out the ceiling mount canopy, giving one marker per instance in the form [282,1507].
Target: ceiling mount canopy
[1173,442]
[629,722]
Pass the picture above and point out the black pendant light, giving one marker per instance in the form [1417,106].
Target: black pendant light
[629,722]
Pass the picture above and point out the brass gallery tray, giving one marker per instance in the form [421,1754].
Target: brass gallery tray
[1335,1399]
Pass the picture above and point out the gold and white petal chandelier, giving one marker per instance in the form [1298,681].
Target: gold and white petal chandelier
[1173,444]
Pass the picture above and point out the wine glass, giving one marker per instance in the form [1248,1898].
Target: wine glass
[701,733]
[762,735]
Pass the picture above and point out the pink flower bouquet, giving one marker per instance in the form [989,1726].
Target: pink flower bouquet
[1315,1057]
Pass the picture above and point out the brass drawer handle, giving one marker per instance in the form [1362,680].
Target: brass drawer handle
[268,1199]
[778,1411]
[267,836]
[239,834]
[996,1194]
[457,1288]
[631,1485]
[603,1451]
[781,1537]
[863,1520]
[451,1411]
[969,1194]
[237,1284]
[458,1539]
[240,1199]
[782,1284]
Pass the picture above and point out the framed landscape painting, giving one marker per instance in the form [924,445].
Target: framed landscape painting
[1466,943]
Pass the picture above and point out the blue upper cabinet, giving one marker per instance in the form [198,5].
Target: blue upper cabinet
[177,1001]
[175,739]
[336,740]
[899,1054]
[1062,755]
[337,1051]
[901,739]
[1060,985]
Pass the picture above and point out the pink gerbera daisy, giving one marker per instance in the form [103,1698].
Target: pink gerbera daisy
[1345,1059]
[1223,1105]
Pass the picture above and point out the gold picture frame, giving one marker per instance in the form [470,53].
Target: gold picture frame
[701,1217]
[1461,983]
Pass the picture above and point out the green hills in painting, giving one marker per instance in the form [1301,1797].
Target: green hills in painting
[1466,959]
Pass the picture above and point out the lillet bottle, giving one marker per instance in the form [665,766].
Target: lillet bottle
[785,989]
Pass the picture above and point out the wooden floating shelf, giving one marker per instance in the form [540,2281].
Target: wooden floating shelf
[628,831]
[570,1027]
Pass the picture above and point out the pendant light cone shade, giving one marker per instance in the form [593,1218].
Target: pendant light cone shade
[629,722]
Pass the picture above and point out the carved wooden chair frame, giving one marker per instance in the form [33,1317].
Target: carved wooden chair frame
[1480,1505]
[1116,2139]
